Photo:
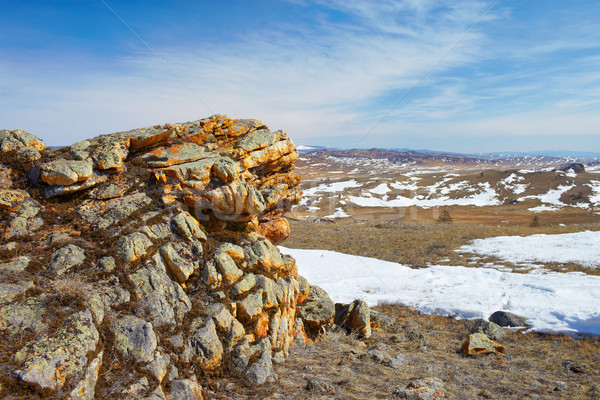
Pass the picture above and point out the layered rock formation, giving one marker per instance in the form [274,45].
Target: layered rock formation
[136,264]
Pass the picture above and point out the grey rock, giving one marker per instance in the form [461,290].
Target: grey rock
[157,231]
[103,214]
[66,258]
[17,265]
[110,155]
[262,370]
[227,267]
[225,169]
[162,299]
[317,311]
[492,330]
[188,226]
[354,317]
[250,308]
[135,338]
[28,155]
[381,353]
[85,389]
[185,389]
[24,220]
[203,346]
[263,257]
[210,276]
[8,291]
[256,140]
[273,293]
[137,389]
[232,250]
[18,139]
[93,180]
[244,285]
[180,261]
[18,317]
[157,394]
[505,318]
[133,246]
[380,320]
[48,363]
[66,172]
[159,366]
[107,264]
[421,389]
[232,329]
[113,294]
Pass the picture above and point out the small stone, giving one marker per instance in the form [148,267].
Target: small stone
[354,317]
[505,318]
[383,354]
[317,311]
[492,330]
[107,264]
[28,155]
[17,265]
[421,389]
[313,385]
[479,343]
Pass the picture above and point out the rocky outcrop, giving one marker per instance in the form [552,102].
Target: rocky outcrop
[137,264]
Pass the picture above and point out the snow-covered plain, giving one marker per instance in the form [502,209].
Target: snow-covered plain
[581,248]
[567,303]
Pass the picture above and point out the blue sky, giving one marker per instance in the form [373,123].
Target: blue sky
[465,76]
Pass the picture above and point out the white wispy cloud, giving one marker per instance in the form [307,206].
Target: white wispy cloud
[329,78]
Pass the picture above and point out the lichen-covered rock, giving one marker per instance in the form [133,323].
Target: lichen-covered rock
[421,389]
[49,363]
[66,172]
[185,389]
[354,317]
[18,139]
[505,318]
[135,338]
[180,267]
[318,311]
[66,258]
[85,389]
[103,214]
[204,347]
[188,226]
[262,370]
[479,343]
[170,230]
[490,329]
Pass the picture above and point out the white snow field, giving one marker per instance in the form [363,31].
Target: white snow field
[567,303]
[581,247]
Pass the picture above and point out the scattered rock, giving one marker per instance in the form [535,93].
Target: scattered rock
[317,311]
[490,329]
[479,343]
[133,247]
[313,385]
[354,317]
[421,389]
[381,353]
[505,318]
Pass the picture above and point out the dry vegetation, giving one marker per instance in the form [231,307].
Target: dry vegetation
[535,366]
[418,244]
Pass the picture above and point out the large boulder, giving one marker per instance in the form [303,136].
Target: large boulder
[141,263]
